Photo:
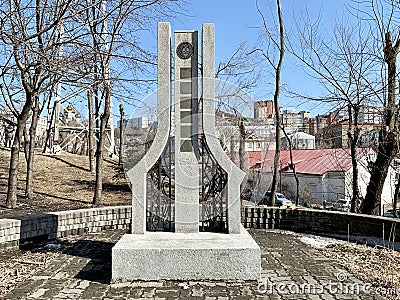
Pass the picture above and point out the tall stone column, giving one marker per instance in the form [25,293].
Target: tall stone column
[235,175]
[186,130]
[138,174]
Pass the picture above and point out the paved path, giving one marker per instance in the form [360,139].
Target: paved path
[290,270]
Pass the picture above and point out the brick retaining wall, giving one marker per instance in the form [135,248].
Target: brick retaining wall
[321,222]
[17,231]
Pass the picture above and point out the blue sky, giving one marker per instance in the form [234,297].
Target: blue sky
[238,20]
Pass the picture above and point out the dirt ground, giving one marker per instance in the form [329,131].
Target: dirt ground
[61,182]
[377,266]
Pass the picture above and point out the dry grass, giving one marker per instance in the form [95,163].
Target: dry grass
[61,182]
[17,266]
[374,265]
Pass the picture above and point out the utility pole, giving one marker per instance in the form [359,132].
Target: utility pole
[111,150]
[55,149]
[121,133]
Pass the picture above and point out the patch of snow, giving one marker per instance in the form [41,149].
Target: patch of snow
[319,242]
[248,203]
[286,232]
[370,241]
[52,246]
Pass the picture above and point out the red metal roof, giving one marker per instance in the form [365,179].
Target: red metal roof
[315,161]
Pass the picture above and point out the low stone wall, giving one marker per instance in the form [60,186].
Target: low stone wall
[17,231]
[321,221]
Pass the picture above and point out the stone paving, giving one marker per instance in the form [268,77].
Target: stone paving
[290,270]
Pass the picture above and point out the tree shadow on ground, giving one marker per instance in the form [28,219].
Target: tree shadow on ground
[70,164]
[61,198]
[112,187]
[107,186]
[111,161]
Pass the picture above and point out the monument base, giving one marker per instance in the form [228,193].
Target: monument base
[185,256]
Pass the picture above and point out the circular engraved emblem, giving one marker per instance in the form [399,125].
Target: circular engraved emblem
[184,50]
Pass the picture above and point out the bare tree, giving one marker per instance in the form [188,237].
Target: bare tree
[276,41]
[345,64]
[292,164]
[112,27]
[389,134]
[396,199]
[104,48]
[37,109]
[90,134]
[29,37]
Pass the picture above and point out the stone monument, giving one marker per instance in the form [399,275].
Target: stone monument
[185,190]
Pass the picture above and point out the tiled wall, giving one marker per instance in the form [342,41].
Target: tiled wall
[321,221]
[19,230]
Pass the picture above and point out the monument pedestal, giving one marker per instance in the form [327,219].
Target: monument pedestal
[186,256]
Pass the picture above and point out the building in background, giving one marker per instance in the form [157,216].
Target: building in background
[324,174]
[264,109]
[293,121]
[139,123]
[41,129]
[300,141]
[70,113]
[336,135]
[371,115]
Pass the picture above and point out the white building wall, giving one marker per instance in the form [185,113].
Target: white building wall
[332,186]
[388,191]
[310,187]
[363,180]
[336,186]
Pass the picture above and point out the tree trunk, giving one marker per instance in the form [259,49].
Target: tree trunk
[90,137]
[121,134]
[388,143]
[12,186]
[97,200]
[356,191]
[353,135]
[278,68]
[396,199]
[297,184]
[232,148]
[26,143]
[48,139]
[386,151]
[293,166]
[97,106]
[31,151]
[242,138]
